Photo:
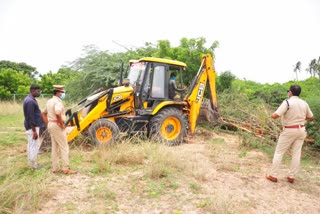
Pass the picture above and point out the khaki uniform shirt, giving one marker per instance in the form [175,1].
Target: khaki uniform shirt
[53,107]
[295,113]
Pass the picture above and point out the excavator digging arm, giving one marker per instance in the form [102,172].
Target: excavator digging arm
[194,98]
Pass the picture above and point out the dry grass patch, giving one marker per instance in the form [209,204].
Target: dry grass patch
[102,192]
[161,161]
[214,147]
[156,160]
[11,108]
[221,202]
[123,154]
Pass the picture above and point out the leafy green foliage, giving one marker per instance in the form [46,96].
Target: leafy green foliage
[225,81]
[15,78]
[313,126]
[63,77]
[271,94]
[246,87]
[12,81]
[190,51]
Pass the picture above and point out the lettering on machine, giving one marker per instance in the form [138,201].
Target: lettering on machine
[200,91]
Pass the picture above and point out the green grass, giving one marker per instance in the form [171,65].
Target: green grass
[12,139]
[305,161]
[11,120]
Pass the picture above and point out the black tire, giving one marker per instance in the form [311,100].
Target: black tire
[168,126]
[103,132]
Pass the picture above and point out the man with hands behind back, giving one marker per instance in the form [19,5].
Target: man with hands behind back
[54,117]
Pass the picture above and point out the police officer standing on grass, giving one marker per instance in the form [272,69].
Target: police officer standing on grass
[54,117]
[294,113]
[32,124]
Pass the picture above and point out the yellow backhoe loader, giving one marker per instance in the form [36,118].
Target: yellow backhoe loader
[141,104]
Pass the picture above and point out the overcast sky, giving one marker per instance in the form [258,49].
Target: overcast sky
[260,40]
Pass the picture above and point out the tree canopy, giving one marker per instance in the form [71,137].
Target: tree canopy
[25,68]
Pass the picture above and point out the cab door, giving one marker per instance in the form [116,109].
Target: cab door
[154,87]
[158,82]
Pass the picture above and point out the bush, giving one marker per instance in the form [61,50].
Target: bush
[313,126]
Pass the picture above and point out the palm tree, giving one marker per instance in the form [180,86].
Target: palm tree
[297,68]
[311,68]
[317,67]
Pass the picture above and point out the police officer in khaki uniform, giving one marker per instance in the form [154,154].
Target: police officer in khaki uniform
[294,113]
[54,117]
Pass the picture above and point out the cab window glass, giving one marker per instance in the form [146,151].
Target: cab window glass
[136,73]
[158,82]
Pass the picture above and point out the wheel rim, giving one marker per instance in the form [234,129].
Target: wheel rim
[170,128]
[103,134]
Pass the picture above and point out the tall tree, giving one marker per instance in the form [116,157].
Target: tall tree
[189,51]
[297,68]
[311,68]
[316,67]
[96,69]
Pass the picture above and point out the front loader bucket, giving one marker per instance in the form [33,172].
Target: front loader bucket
[207,113]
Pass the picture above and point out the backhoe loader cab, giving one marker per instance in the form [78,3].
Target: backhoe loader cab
[150,79]
[141,104]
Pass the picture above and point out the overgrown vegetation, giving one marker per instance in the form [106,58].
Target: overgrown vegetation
[247,101]
[159,167]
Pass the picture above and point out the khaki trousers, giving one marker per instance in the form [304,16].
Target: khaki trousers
[289,137]
[60,146]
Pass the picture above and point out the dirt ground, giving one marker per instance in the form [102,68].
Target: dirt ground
[228,180]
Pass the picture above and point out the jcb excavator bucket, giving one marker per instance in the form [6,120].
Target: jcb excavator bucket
[207,113]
